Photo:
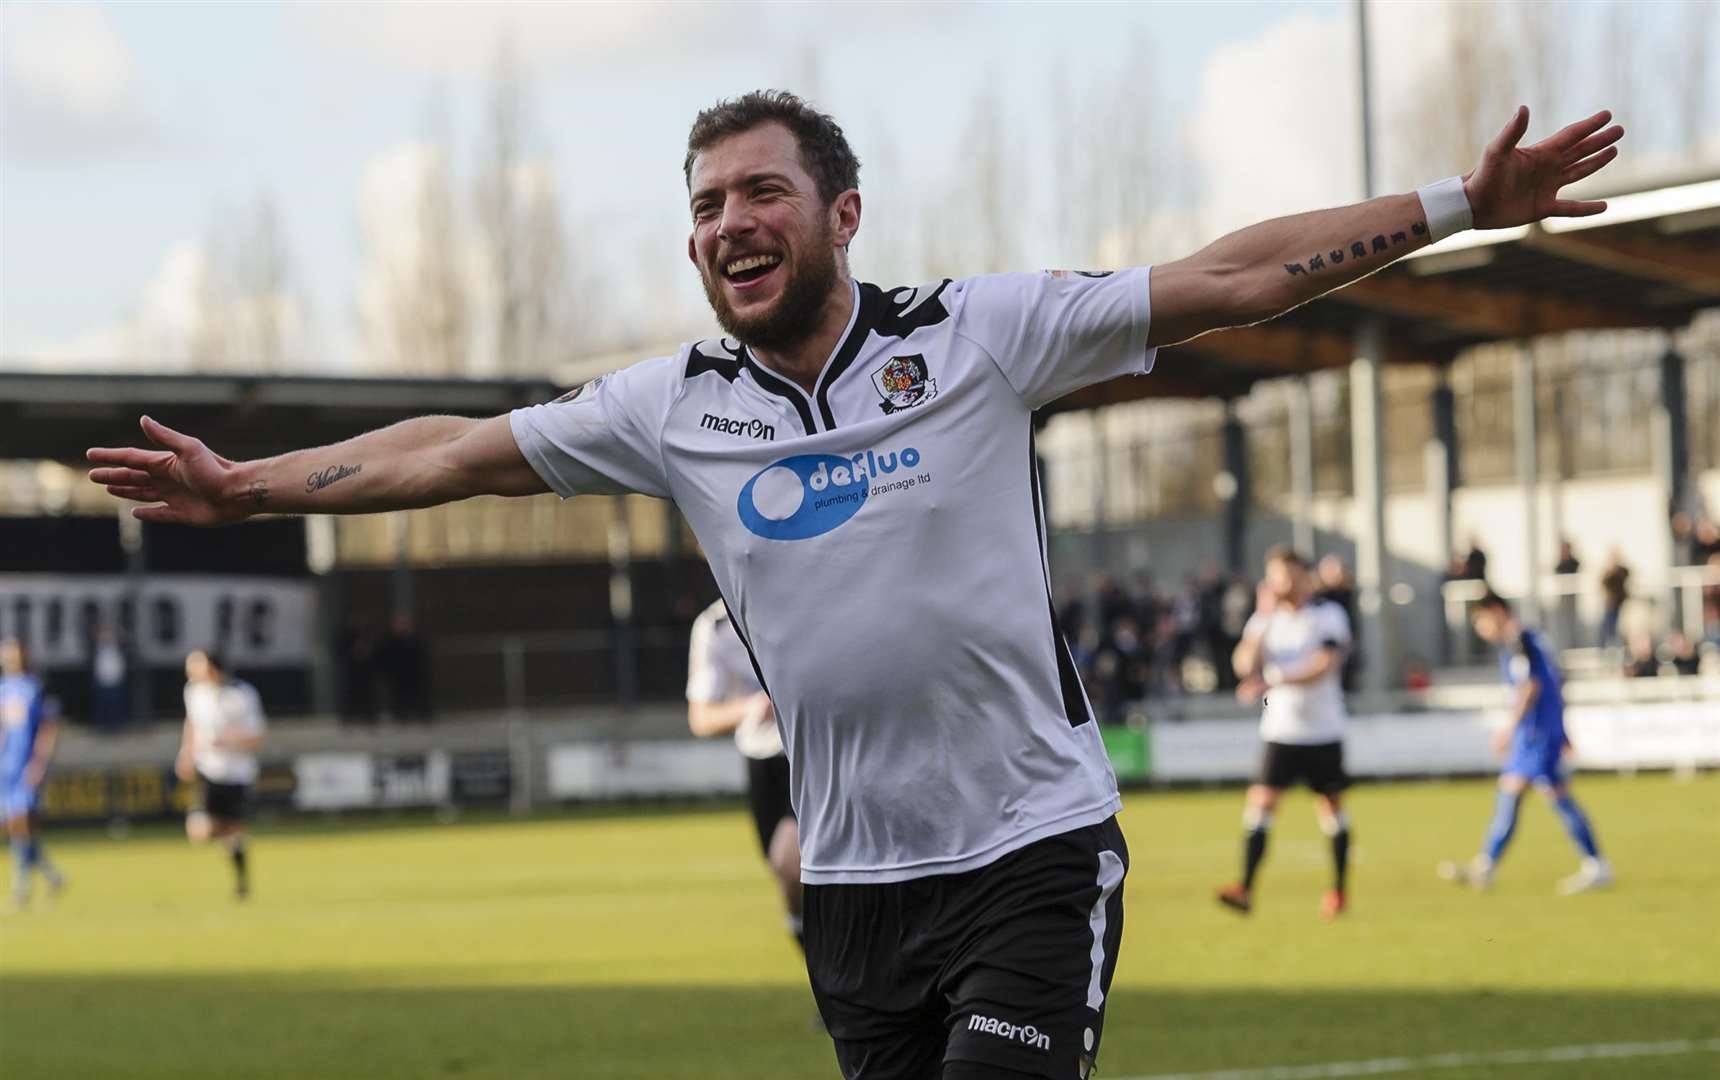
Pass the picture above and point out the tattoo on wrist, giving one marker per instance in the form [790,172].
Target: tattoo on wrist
[334,474]
[1356,250]
[258,493]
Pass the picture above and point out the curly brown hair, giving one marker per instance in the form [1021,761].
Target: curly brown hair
[824,150]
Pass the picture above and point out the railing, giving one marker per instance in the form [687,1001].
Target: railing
[1674,601]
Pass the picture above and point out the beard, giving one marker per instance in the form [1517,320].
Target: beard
[798,308]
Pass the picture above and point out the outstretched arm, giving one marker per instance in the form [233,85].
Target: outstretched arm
[415,463]
[1262,271]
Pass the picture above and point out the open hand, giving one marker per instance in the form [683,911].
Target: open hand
[1515,185]
[186,483]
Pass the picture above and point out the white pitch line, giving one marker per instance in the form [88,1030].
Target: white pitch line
[1385,1066]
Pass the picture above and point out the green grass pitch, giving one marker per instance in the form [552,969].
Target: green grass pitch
[650,946]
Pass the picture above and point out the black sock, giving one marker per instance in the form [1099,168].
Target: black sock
[241,879]
[1340,858]
[1253,851]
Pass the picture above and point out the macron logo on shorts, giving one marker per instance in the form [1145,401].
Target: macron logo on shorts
[1029,1035]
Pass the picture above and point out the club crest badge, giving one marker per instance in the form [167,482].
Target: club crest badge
[904,382]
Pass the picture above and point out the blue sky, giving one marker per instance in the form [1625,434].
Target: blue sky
[149,117]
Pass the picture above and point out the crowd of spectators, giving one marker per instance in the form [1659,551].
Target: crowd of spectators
[1139,640]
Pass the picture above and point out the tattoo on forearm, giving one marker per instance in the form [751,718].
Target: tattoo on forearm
[1358,249]
[334,474]
[258,493]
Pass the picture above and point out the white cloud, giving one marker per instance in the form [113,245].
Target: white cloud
[71,53]
[461,38]
[187,317]
[1275,128]
[66,84]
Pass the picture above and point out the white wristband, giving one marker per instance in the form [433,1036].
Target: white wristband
[1446,207]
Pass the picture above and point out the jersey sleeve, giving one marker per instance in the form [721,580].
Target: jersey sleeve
[1056,331]
[606,437]
[249,715]
[1335,632]
[704,677]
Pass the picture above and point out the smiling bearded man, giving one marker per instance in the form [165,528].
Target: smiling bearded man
[858,466]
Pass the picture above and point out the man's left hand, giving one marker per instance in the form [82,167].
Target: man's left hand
[1515,185]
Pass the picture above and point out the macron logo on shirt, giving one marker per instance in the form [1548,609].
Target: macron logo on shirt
[1021,1033]
[749,428]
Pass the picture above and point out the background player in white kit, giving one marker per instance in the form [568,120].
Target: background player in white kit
[724,697]
[858,466]
[224,726]
[1291,659]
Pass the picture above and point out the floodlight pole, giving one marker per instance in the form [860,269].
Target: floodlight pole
[1378,632]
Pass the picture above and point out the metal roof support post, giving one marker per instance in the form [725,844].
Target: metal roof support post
[1377,635]
[1098,541]
[1235,496]
[1300,406]
[1439,463]
[130,630]
[621,603]
[1671,449]
[1528,475]
[321,546]
[402,597]
[1672,432]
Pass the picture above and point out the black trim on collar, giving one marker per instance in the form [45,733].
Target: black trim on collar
[870,301]
[879,314]
[776,384]
[727,364]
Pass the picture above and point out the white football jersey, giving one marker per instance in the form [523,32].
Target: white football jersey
[1311,713]
[232,707]
[718,669]
[881,545]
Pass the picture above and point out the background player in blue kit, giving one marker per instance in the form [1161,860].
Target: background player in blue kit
[30,726]
[1534,746]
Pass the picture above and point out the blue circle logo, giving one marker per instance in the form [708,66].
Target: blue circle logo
[804,496]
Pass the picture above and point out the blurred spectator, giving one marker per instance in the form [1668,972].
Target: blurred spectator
[1121,670]
[1210,627]
[1711,600]
[1567,562]
[356,676]
[403,663]
[1071,615]
[1475,562]
[1416,674]
[1642,663]
[1185,613]
[1682,652]
[110,690]
[1615,590]
[1337,588]
[1114,604]
[1684,540]
[1707,543]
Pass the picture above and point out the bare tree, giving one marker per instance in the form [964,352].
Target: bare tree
[414,306]
[521,232]
[1113,168]
[1697,41]
[1474,95]
[248,314]
[1543,68]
